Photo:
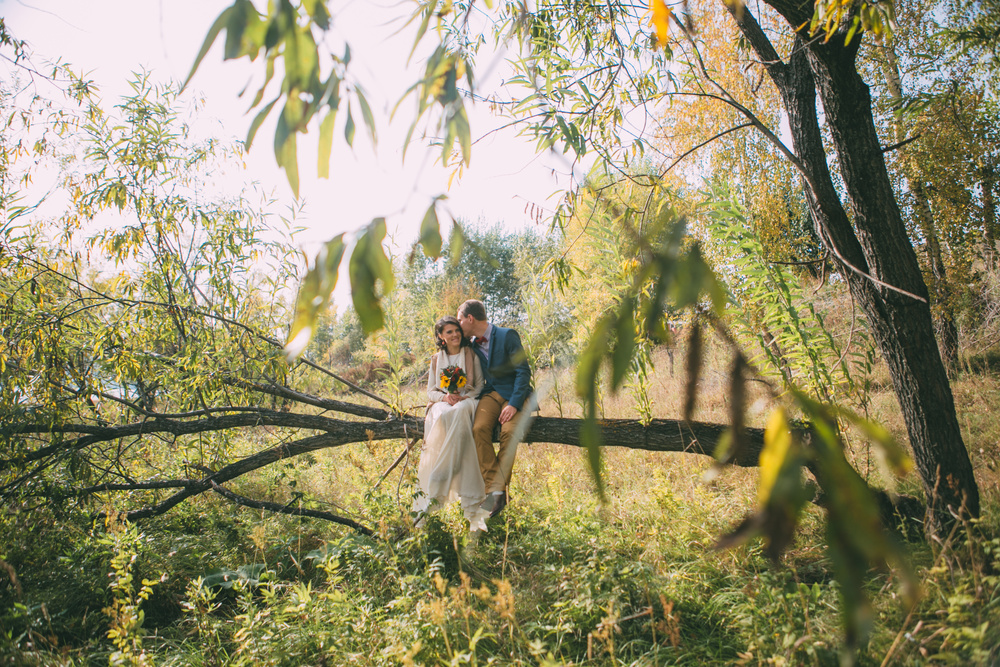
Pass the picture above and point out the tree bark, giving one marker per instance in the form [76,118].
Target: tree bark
[989,214]
[947,331]
[874,253]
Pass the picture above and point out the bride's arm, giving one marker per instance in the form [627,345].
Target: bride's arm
[434,393]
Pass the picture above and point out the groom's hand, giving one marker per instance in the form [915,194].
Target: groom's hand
[508,413]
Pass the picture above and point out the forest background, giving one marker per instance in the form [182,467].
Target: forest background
[132,392]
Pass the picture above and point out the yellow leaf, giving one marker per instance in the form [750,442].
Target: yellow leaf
[660,20]
[777,443]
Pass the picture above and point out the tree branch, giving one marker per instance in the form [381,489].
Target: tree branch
[250,417]
[284,509]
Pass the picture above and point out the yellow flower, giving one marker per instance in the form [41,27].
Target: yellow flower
[461,381]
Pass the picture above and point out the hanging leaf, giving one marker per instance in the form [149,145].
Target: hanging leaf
[692,365]
[430,232]
[621,358]
[777,448]
[326,143]
[349,127]
[366,114]
[285,144]
[588,369]
[369,265]
[314,295]
[257,121]
[659,19]
[213,33]
[456,245]
[239,16]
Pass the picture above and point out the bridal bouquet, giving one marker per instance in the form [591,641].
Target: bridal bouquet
[453,379]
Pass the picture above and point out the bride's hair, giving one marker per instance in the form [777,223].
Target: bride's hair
[439,327]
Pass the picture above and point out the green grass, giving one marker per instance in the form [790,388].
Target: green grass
[559,578]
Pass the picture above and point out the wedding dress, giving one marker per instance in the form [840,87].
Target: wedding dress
[449,465]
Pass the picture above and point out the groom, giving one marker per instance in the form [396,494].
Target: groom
[508,384]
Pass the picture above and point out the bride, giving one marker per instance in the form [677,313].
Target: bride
[449,464]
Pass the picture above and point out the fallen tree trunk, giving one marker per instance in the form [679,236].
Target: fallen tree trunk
[660,435]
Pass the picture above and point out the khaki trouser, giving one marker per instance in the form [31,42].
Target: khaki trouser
[495,466]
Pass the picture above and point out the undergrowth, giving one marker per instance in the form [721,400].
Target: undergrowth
[558,579]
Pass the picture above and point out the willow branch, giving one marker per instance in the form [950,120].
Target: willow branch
[293,511]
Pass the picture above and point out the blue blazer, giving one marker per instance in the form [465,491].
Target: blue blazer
[507,371]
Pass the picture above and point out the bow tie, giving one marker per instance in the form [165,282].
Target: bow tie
[482,340]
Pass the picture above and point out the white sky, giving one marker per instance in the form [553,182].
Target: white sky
[107,40]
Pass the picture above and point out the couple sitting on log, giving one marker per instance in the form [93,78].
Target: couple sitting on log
[479,377]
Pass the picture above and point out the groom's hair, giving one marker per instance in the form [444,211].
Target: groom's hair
[475,308]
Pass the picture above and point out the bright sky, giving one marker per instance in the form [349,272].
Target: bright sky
[107,40]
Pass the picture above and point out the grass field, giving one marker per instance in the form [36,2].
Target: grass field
[559,578]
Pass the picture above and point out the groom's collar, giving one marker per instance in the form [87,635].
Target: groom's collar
[488,334]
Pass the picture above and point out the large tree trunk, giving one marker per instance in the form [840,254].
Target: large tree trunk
[947,331]
[874,254]
[989,214]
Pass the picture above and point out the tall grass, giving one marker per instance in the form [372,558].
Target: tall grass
[558,579]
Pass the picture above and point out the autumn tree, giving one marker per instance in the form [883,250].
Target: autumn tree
[584,70]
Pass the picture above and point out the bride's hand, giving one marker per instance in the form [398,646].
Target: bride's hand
[452,399]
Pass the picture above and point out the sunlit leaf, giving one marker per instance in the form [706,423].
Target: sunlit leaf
[366,115]
[257,121]
[660,20]
[237,23]
[213,32]
[318,13]
[369,266]
[621,359]
[777,446]
[456,244]
[326,143]
[464,134]
[430,233]
[314,295]
[349,127]
[889,450]
[285,146]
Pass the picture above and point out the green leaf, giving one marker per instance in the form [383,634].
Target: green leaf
[366,114]
[349,127]
[213,32]
[589,362]
[430,232]
[258,120]
[428,11]
[621,359]
[587,377]
[777,448]
[314,295]
[369,265]
[456,245]
[326,143]
[464,133]
[285,148]
[590,436]
[890,452]
[239,18]
[318,12]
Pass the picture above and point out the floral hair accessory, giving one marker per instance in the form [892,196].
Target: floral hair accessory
[453,379]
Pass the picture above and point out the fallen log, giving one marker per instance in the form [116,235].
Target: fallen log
[660,435]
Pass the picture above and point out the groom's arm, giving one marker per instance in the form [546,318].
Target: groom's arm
[522,371]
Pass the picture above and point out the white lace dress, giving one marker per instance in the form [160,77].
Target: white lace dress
[449,465]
